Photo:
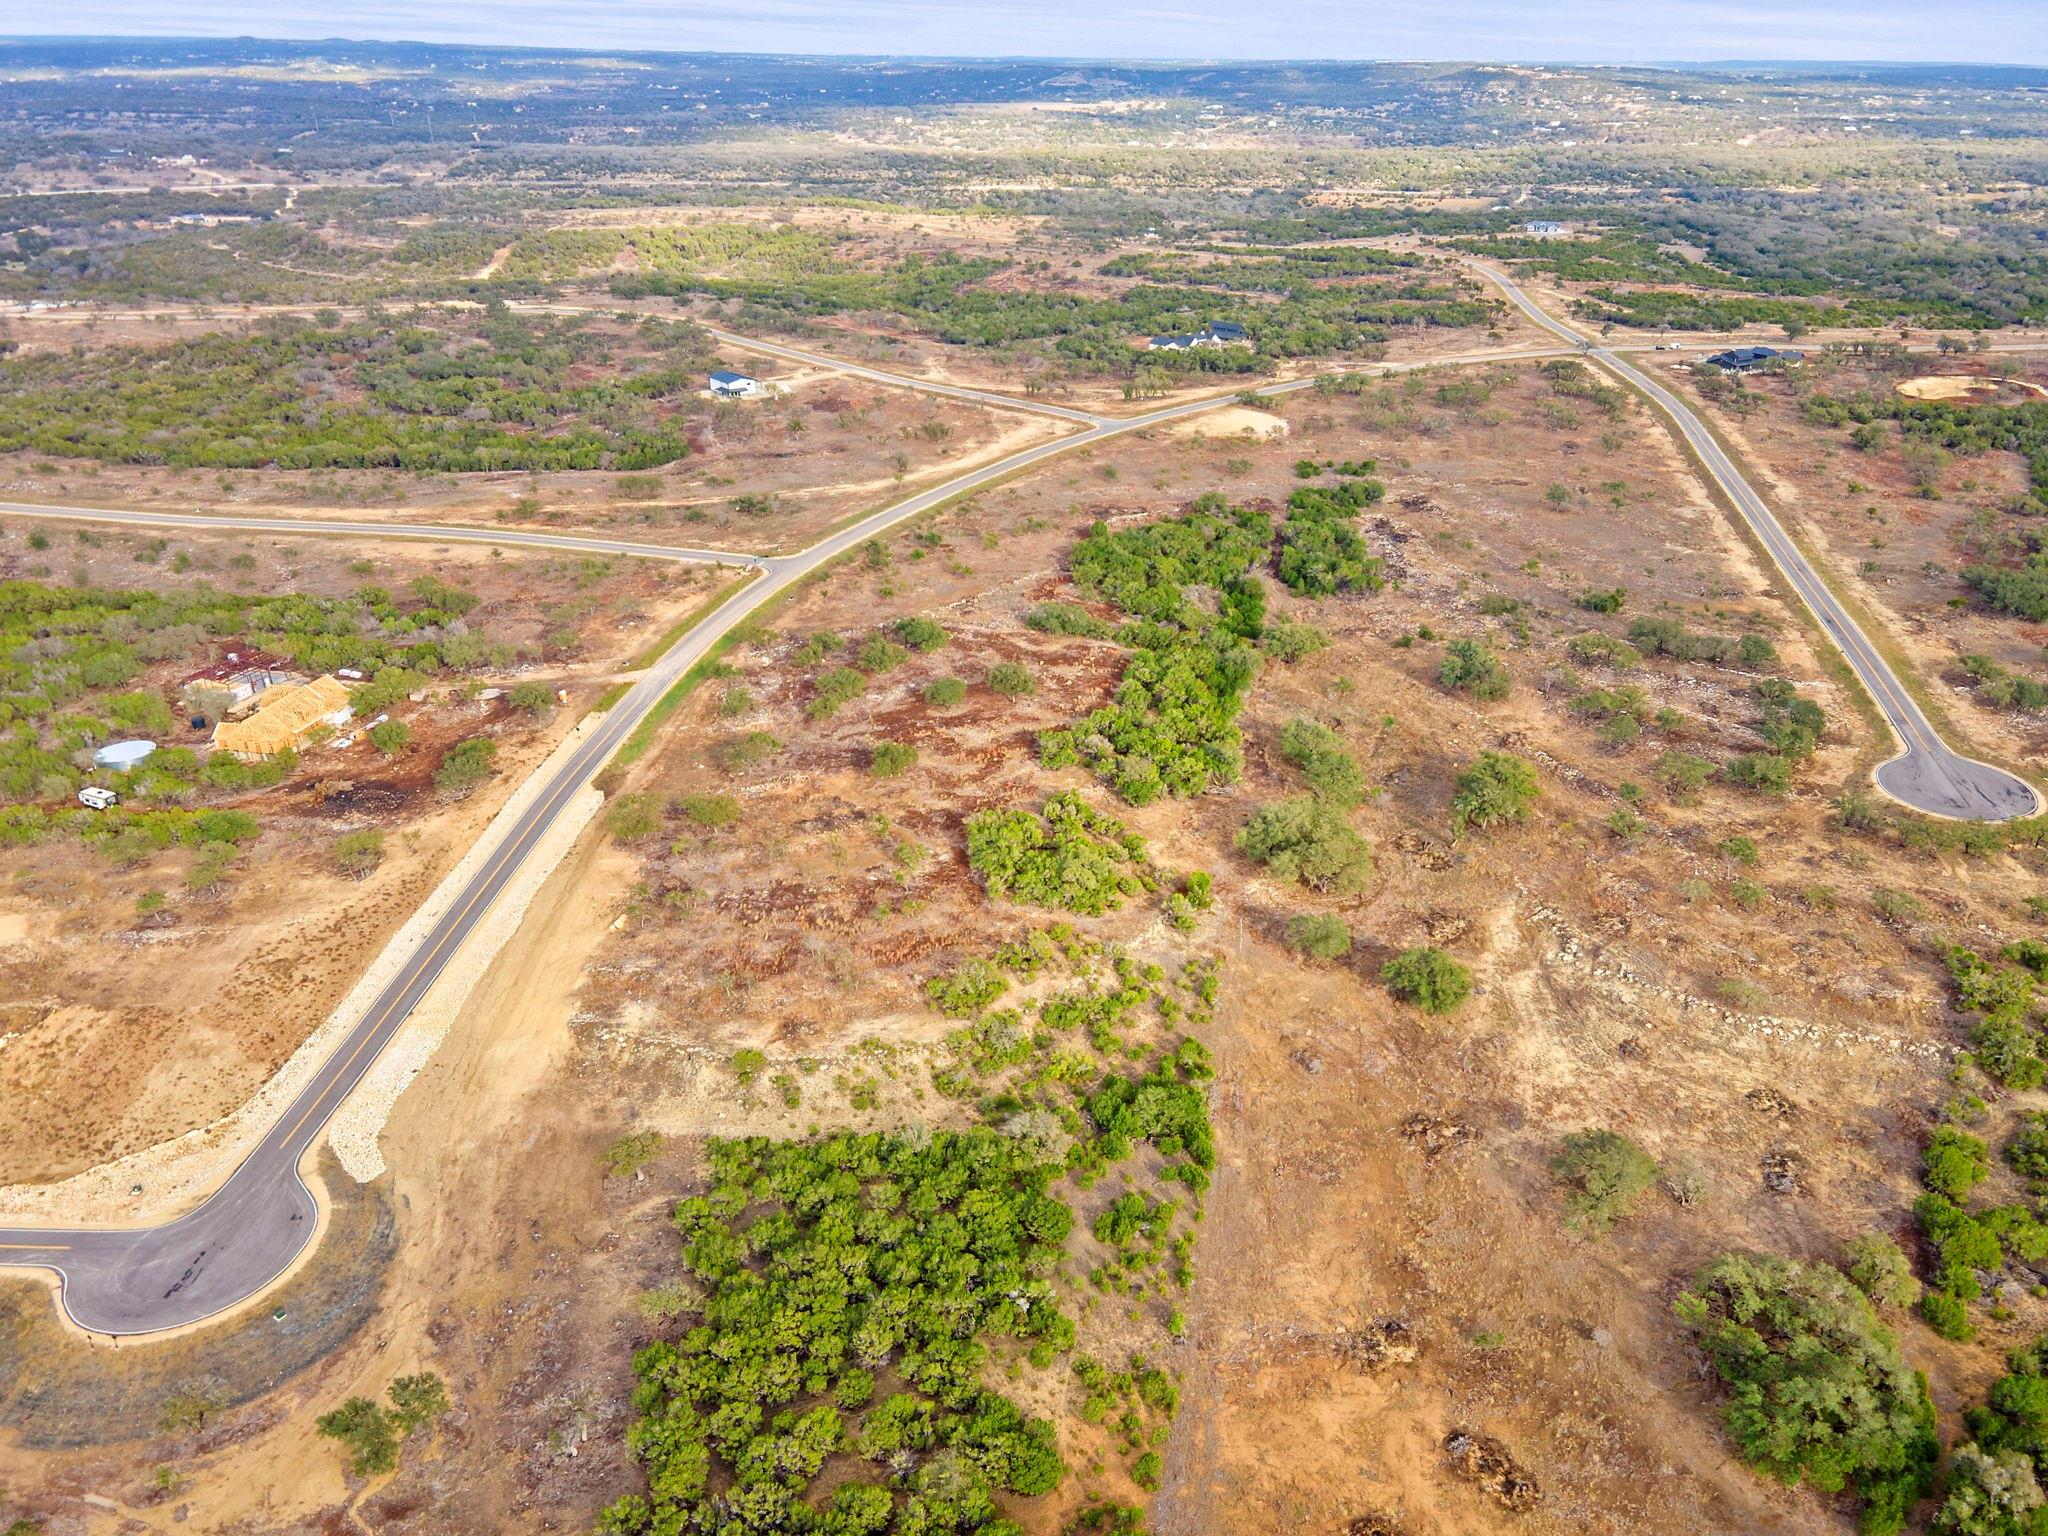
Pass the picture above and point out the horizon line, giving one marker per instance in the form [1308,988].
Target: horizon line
[1126,60]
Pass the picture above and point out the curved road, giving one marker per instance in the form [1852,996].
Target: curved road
[246,1234]
[1926,774]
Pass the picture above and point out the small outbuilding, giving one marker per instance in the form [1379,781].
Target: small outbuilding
[726,384]
[285,720]
[121,756]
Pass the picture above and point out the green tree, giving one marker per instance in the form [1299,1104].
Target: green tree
[464,766]
[417,1401]
[536,699]
[366,1431]
[391,737]
[1471,667]
[1606,1174]
[1818,1391]
[1881,1271]
[1319,753]
[1011,679]
[1321,935]
[1954,1162]
[357,853]
[921,634]
[1497,787]
[1308,840]
[889,759]
[1428,978]
[626,1157]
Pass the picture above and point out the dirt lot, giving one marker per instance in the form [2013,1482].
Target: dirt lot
[183,990]
[764,476]
[1378,1168]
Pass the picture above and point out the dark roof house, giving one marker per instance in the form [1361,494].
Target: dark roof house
[1743,359]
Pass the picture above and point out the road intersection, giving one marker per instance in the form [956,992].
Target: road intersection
[238,1241]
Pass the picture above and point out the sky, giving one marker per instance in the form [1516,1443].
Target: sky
[1580,31]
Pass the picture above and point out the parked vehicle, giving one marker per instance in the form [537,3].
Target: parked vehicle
[95,798]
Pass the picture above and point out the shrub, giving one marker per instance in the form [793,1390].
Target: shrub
[1471,667]
[1289,641]
[745,752]
[357,853]
[1011,680]
[1607,601]
[887,759]
[1070,857]
[1428,978]
[626,1157]
[1322,935]
[1764,772]
[536,699]
[1946,1315]
[1067,619]
[922,634]
[1818,1391]
[391,737]
[968,990]
[1684,774]
[1308,840]
[1596,649]
[878,653]
[834,689]
[710,811]
[366,1431]
[1954,1162]
[1606,1174]
[1497,787]
[1898,906]
[1881,1271]
[944,692]
[465,765]
[635,818]
[735,701]
[1318,752]
[1990,1494]
[2027,1150]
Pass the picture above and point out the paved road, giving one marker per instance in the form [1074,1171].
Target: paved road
[1926,774]
[254,1226]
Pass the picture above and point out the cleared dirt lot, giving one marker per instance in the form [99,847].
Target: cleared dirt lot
[140,1006]
[1377,1166]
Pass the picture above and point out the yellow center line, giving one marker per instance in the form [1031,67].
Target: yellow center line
[430,957]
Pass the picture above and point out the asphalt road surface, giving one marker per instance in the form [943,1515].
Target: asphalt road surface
[1926,774]
[250,1230]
